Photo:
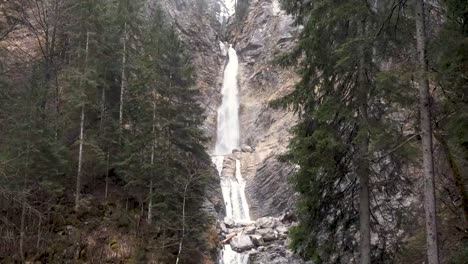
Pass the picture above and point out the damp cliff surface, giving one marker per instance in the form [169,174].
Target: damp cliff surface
[262,35]
[200,24]
[265,33]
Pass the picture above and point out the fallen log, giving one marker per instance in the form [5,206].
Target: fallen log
[229,237]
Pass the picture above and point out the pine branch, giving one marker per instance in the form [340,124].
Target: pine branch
[394,149]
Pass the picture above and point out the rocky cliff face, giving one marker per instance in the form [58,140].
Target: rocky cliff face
[266,33]
[200,25]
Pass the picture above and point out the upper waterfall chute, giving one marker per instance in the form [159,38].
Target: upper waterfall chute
[228,112]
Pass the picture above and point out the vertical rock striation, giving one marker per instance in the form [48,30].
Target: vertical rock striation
[266,33]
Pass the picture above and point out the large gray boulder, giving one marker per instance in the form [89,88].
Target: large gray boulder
[257,240]
[246,148]
[268,234]
[249,230]
[266,222]
[282,229]
[229,222]
[241,243]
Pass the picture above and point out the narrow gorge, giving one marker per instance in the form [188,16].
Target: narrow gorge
[263,238]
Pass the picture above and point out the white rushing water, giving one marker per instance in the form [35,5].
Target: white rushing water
[233,188]
[228,112]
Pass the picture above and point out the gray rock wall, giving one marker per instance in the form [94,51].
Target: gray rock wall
[266,33]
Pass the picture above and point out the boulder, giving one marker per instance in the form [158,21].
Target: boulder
[241,243]
[288,217]
[246,148]
[249,230]
[268,234]
[229,222]
[266,222]
[236,151]
[257,240]
[282,229]
[223,227]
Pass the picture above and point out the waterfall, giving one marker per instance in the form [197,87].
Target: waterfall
[233,188]
[228,112]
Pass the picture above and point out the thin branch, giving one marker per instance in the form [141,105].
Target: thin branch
[395,149]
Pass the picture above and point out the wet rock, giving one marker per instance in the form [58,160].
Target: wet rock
[268,234]
[249,230]
[222,227]
[241,243]
[266,222]
[235,151]
[257,240]
[288,217]
[229,222]
[246,148]
[282,229]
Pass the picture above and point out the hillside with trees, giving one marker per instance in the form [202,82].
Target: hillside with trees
[100,135]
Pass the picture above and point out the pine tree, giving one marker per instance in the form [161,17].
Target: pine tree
[345,135]
[426,135]
[448,55]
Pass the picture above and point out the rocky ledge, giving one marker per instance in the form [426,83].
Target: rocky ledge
[264,240]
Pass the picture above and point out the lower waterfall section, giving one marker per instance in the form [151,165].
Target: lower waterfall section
[237,208]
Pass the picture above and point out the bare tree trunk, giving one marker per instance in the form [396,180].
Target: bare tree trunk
[80,153]
[150,203]
[80,159]
[106,193]
[38,242]
[363,159]
[183,223]
[103,110]
[22,233]
[123,82]
[426,135]
[23,204]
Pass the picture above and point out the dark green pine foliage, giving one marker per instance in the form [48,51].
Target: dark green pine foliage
[87,77]
[337,114]
[450,55]
[450,59]
[163,159]
[158,164]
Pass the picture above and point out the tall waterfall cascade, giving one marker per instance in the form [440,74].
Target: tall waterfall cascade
[228,112]
[228,138]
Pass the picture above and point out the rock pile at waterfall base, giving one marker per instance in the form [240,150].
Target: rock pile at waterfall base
[264,240]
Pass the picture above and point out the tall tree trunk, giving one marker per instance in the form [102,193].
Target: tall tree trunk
[38,241]
[22,233]
[123,82]
[183,222]
[103,111]
[106,193]
[150,203]
[363,160]
[426,135]
[80,153]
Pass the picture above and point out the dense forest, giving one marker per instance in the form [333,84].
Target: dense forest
[104,156]
[383,109]
[100,134]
